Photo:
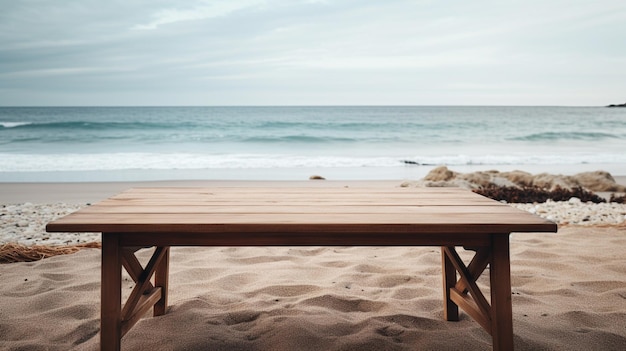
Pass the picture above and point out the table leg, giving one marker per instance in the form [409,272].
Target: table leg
[161,279]
[501,301]
[450,309]
[111,293]
[495,317]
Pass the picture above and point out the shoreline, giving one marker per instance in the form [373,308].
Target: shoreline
[90,192]
[402,172]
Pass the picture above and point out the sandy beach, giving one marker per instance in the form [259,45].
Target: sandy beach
[391,103]
[569,291]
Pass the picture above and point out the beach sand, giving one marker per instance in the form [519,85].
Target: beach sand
[569,293]
[90,192]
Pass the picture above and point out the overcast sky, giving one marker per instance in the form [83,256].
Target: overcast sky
[308,52]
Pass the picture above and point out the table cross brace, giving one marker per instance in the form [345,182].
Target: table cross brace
[465,293]
[144,295]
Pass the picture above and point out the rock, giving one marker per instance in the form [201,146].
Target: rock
[22,224]
[441,173]
[598,181]
[519,177]
[316,177]
[591,181]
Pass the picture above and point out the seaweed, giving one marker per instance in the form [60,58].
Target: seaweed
[618,199]
[13,252]
[536,194]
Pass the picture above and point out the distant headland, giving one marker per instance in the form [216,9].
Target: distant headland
[619,105]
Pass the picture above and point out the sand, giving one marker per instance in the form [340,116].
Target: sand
[569,293]
[89,192]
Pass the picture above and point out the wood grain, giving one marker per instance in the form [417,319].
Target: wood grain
[300,210]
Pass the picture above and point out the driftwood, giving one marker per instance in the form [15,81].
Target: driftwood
[13,252]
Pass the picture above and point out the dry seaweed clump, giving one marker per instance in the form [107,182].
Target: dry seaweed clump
[618,199]
[11,252]
[513,194]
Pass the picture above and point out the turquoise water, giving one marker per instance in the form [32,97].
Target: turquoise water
[105,143]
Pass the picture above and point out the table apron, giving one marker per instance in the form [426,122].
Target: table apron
[288,239]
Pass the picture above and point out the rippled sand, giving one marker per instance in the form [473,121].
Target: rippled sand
[568,289]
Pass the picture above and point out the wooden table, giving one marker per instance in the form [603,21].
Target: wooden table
[164,217]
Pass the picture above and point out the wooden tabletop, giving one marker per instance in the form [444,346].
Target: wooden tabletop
[301,210]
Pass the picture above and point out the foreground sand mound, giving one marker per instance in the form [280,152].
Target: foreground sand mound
[568,294]
[599,181]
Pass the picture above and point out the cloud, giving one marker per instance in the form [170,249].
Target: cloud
[311,51]
[61,72]
[209,9]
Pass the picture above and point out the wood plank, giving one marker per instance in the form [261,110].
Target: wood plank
[427,217]
[302,239]
[476,267]
[132,265]
[272,190]
[468,281]
[111,294]
[286,209]
[161,279]
[143,283]
[501,300]
[450,309]
[470,307]
[397,233]
[294,192]
[331,205]
[290,191]
[435,201]
[143,305]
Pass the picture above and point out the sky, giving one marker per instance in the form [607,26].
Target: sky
[312,52]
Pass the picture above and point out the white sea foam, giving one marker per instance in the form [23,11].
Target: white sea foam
[161,161]
[13,124]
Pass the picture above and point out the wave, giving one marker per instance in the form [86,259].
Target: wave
[189,161]
[552,136]
[299,139]
[338,124]
[237,124]
[84,125]
[14,124]
[253,131]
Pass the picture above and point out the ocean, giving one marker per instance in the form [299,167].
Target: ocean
[41,144]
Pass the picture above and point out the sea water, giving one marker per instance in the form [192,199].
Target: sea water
[337,142]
